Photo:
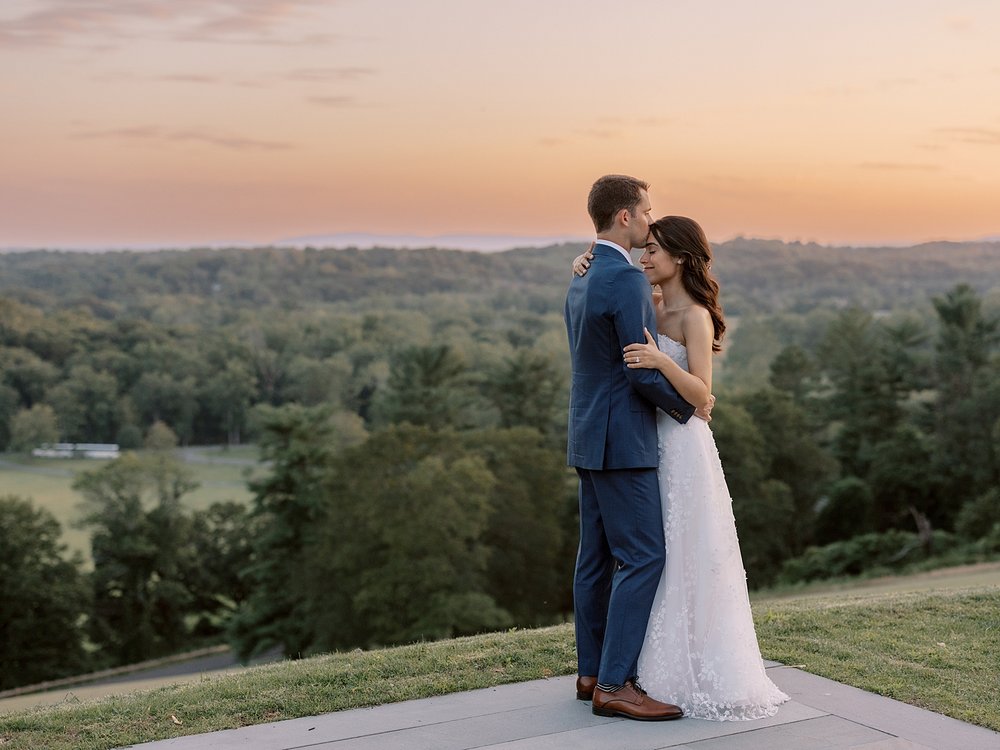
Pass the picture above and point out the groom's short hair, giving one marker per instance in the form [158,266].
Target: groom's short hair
[610,194]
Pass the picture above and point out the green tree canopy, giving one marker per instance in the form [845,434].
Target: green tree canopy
[132,505]
[528,390]
[427,387]
[32,427]
[43,598]
[400,554]
[87,406]
[764,508]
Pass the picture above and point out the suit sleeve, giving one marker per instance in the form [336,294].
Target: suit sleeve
[633,311]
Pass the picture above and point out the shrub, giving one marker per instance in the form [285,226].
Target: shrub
[890,550]
[847,511]
[978,517]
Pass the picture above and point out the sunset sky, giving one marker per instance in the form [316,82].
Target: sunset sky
[206,121]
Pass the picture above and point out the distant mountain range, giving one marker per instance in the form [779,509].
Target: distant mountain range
[484,243]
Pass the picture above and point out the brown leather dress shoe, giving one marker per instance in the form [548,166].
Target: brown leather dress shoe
[585,685]
[631,702]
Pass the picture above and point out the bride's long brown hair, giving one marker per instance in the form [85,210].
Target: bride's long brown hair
[684,239]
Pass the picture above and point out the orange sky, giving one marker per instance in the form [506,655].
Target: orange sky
[189,121]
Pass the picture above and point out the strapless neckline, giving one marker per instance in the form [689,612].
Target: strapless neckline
[673,349]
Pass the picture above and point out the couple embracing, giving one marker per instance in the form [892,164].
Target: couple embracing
[660,593]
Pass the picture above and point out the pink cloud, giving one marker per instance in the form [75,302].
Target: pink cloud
[891,166]
[188,78]
[154,133]
[71,21]
[335,101]
[984,136]
[329,74]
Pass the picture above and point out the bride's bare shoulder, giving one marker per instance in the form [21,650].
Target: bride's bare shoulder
[696,316]
[697,312]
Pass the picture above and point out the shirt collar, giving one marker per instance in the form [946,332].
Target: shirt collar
[617,247]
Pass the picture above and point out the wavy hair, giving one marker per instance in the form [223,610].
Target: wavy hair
[684,239]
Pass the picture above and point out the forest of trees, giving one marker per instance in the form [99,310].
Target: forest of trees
[410,406]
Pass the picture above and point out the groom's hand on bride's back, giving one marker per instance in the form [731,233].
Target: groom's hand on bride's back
[582,262]
[705,410]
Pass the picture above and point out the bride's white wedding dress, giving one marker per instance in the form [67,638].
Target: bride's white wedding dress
[701,651]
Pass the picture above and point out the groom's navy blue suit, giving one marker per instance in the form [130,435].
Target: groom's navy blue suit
[612,444]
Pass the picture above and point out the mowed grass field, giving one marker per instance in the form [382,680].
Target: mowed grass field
[221,474]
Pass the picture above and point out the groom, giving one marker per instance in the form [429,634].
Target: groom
[612,444]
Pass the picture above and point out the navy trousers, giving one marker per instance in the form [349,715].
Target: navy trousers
[618,568]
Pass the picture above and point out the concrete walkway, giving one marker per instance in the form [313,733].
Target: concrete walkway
[822,715]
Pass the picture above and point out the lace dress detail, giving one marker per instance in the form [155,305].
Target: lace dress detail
[701,651]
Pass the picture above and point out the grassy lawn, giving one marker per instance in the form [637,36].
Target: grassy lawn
[939,650]
[48,482]
[304,688]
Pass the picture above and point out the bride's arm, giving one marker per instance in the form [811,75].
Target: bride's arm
[699,334]
[695,386]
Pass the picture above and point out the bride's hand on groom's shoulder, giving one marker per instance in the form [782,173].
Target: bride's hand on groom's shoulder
[582,262]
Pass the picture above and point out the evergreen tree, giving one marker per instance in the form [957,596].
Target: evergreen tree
[866,396]
[792,371]
[528,390]
[427,387]
[968,401]
[298,443]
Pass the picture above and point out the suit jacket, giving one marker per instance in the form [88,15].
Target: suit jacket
[612,409]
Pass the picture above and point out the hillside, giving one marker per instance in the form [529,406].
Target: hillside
[878,643]
[758,276]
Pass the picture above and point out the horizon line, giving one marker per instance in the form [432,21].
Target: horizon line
[461,241]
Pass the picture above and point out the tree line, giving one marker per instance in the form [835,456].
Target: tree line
[96,348]
[415,441]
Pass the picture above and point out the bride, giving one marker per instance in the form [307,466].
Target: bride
[700,651]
